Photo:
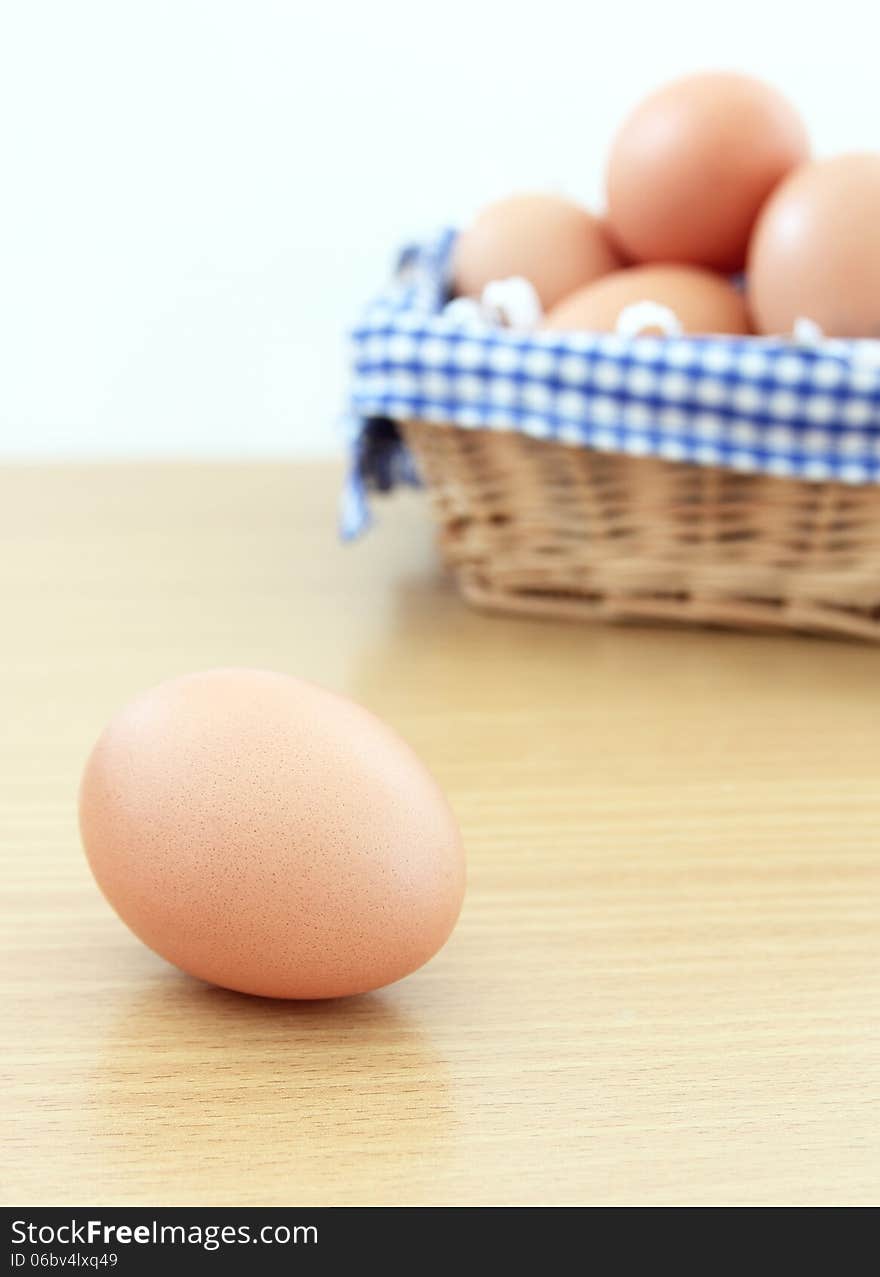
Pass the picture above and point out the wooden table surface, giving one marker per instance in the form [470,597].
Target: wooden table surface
[665,984]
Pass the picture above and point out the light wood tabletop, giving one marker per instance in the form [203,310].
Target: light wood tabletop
[665,983]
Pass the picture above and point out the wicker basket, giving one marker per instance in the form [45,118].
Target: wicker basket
[544,528]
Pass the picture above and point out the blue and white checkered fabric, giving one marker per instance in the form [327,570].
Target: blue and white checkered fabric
[752,404]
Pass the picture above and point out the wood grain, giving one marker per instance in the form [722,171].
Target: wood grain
[665,984]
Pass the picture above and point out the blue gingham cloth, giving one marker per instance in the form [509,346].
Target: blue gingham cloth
[766,405]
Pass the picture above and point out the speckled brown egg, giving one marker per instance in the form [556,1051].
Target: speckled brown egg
[269,836]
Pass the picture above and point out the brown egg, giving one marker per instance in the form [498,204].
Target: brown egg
[554,244]
[701,301]
[269,836]
[815,253]
[691,167]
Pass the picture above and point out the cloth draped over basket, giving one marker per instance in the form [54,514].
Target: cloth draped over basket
[728,481]
[750,405]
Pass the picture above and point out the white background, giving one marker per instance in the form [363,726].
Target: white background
[197,194]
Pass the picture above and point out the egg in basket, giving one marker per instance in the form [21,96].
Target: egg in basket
[671,412]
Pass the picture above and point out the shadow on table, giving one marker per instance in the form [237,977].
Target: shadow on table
[205,1087]
[437,649]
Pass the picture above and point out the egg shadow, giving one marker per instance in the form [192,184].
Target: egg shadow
[219,1097]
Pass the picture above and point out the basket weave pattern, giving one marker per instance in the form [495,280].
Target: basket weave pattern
[529,525]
